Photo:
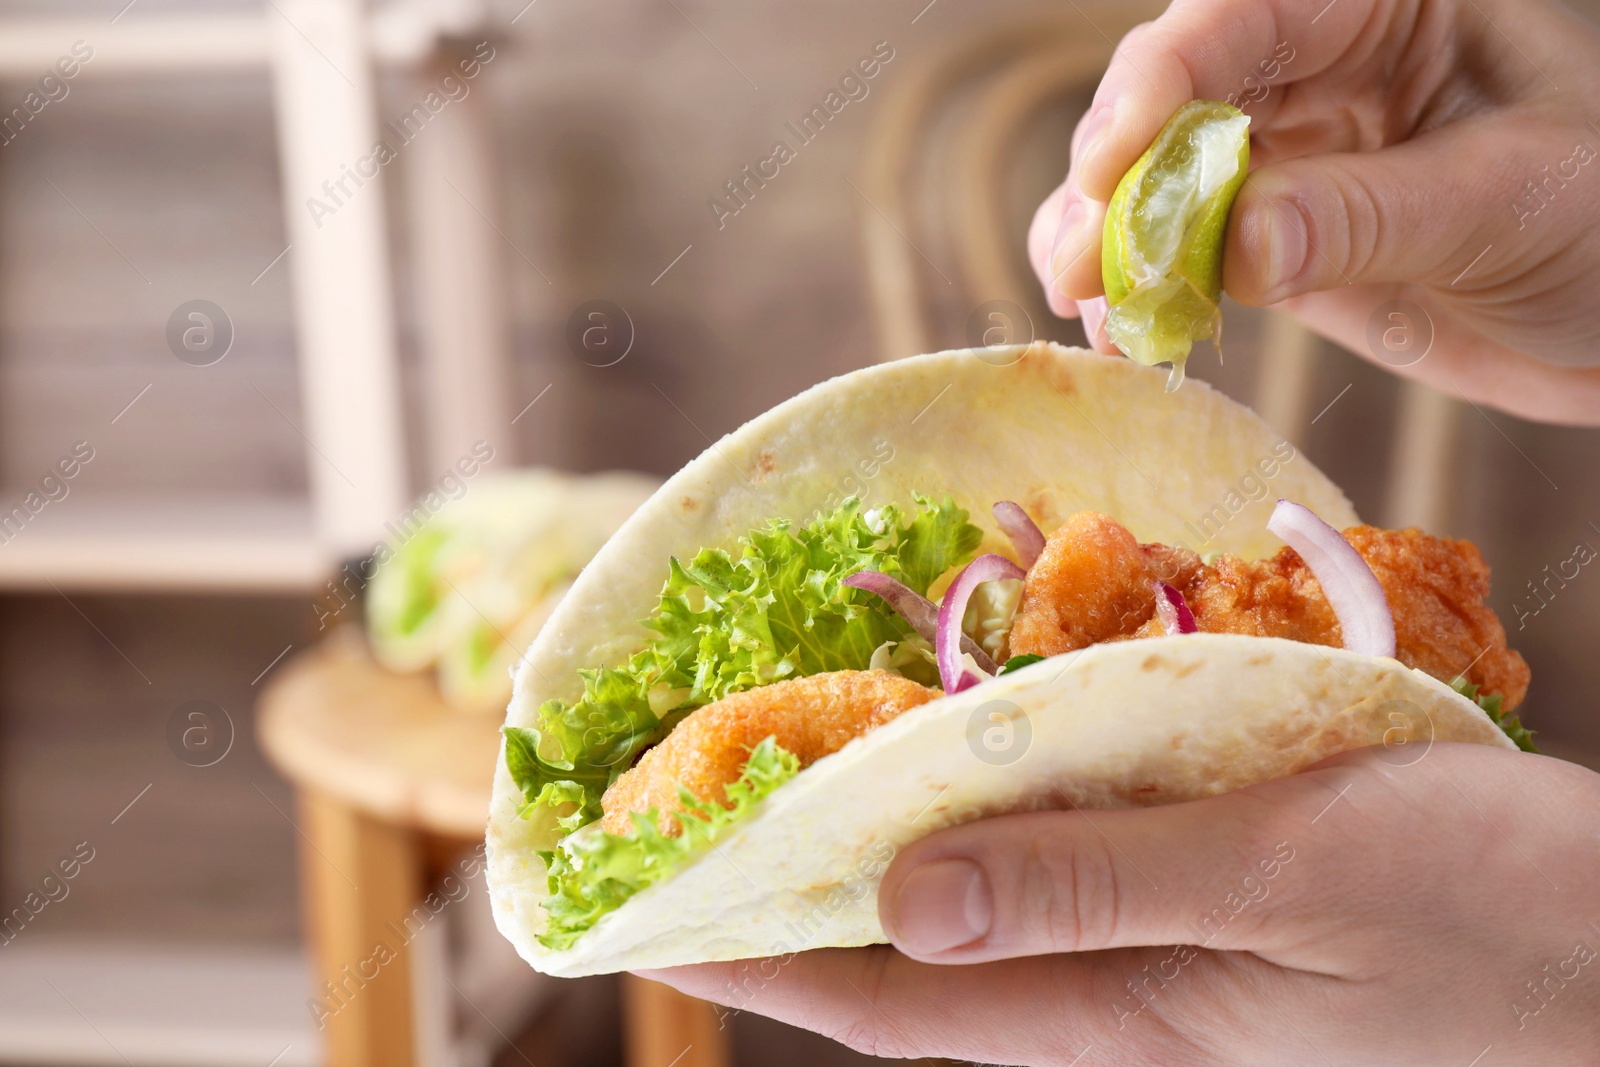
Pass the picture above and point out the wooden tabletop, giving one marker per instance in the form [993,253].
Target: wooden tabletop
[386,743]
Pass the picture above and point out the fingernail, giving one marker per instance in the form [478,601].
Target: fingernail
[1287,244]
[1061,305]
[942,905]
[1094,314]
[1094,128]
[1071,222]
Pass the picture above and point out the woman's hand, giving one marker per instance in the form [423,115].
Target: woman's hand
[1444,153]
[1439,906]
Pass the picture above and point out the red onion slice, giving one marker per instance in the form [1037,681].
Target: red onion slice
[920,613]
[1025,534]
[947,643]
[1173,610]
[1358,601]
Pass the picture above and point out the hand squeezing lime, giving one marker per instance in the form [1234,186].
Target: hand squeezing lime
[1161,256]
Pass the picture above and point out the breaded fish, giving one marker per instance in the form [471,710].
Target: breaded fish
[1092,584]
[811,717]
[1435,588]
[1096,586]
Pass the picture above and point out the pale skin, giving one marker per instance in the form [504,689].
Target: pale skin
[1433,906]
[1387,155]
[1401,928]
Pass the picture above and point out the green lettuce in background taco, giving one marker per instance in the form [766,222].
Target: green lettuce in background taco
[466,588]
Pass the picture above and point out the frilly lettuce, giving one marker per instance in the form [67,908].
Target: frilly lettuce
[1493,706]
[404,597]
[593,873]
[725,623]
[1016,663]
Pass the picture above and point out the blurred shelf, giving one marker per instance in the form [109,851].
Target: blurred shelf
[29,47]
[122,543]
[399,33]
[78,1003]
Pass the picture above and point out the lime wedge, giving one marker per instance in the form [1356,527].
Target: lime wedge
[1161,257]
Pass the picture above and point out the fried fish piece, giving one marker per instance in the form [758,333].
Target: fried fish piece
[1092,583]
[1435,587]
[811,717]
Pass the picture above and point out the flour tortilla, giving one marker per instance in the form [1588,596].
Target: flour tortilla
[1131,723]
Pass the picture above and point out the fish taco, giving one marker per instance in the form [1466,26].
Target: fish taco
[940,589]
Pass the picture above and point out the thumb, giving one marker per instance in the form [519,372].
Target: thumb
[1198,873]
[1422,211]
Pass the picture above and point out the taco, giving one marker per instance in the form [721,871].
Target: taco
[940,589]
[464,583]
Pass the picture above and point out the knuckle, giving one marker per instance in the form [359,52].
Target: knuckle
[1354,223]
[1265,822]
[1070,889]
[863,1035]
[1135,35]
[1269,838]
[874,1031]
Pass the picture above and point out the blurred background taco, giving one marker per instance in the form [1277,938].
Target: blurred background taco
[466,590]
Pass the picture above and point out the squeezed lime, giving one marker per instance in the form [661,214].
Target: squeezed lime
[1161,254]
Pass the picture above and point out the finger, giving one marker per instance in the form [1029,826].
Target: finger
[1075,256]
[1041,238]
[1423,211]
[881,1003]
[1047,882]
[1061,306]
[1299,871]
[1457,361]
[1042,231]
[1224,872]
[1070,271]
[1064,221]
[1094,314]
[1202,49]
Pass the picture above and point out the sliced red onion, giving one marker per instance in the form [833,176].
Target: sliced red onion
[1358,601]
[1173,610]
[947,644]
[1025,535]
[920,613]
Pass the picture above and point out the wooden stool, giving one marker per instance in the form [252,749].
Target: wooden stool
[392,786]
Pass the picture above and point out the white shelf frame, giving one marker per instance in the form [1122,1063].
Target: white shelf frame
[158,44]
[321,55]
[124,544]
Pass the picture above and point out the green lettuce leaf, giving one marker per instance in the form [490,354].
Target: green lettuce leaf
[726,623]
[577,750]
[1492,705]
[404,597]
[591,875]
[1016,663]
[938,538]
